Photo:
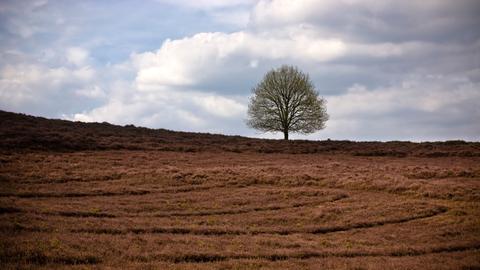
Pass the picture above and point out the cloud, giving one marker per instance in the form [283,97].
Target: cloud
[208,4]
[227,12]
[418,108]
[189,111]
[205,56]
[388,69]
[370,20]
[36,88]
[93,92]
[238,18]
[77,56]
[220,106]
[23,26]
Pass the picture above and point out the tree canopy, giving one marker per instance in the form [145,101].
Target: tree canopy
[286,101]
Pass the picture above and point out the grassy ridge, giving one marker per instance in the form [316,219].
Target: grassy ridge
[23,132]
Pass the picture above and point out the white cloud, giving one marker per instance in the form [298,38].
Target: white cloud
[208,4]
[226,12]
[85,73]
[285,11]
[113,112]
[193,111]
[35,86]
[239,18]
[427,94]
[198,58]
[77,56]
[220,106]
[391,69]
[92,92]
[419,108]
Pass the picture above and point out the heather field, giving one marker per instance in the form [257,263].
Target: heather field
[95,196]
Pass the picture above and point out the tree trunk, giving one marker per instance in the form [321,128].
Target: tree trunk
[285,135]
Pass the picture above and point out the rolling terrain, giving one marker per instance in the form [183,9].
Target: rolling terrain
[96,195]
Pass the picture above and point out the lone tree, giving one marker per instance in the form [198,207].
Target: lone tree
[286,101]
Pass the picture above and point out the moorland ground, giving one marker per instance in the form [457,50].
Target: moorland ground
[77,195]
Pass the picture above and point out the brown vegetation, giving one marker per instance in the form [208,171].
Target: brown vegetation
[20,132]
[77,195]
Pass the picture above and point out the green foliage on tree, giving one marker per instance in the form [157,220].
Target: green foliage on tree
[286,101]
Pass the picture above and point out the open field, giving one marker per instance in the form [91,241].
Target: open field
[155,199]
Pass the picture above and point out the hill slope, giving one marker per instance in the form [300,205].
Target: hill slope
[67,200]
[23,132]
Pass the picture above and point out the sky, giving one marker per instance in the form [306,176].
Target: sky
[389,70]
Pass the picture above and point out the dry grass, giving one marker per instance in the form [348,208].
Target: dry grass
[237,211]
[26,133]
[223,209]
